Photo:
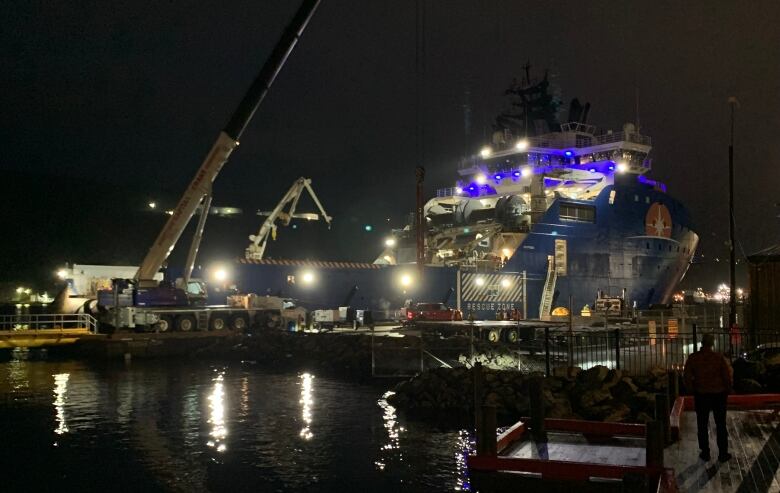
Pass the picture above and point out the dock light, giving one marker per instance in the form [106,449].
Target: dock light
[479,281]
[485,152]
[169,212]
[506,252]
[62,274]
[308,277]
[27,291]
[19,290]
[521,145]
[220,275]
[152,205]
[390,242]
[458,190]
[480,179]
[622,167]
[526,172]
[406,280]
[368,228]
[505,283]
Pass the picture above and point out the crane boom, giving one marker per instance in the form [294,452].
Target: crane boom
[256,249]
[226,142]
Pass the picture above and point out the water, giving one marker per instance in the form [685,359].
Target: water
[189,426]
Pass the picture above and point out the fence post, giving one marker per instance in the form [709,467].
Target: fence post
[476,371]
[536,395]
[695,341]
[617,349]
[486,432]
[662,416]
[674,386]
[654,444]
[547,351]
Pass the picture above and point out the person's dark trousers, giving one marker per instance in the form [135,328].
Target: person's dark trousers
[716,403]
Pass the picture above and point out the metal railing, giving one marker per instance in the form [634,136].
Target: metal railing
[48,321]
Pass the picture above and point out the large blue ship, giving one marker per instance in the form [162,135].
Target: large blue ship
[547,215]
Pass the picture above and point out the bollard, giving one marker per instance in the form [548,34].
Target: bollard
[486,432]
[536,395]
[662,416]
[654,444]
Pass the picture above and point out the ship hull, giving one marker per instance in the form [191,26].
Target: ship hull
[625,251]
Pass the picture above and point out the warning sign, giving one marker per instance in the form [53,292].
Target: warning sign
[672,327]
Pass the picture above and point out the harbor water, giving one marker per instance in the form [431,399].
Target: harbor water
[199,426]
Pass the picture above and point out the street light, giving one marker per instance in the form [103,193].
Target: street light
[152,205]
[62,274]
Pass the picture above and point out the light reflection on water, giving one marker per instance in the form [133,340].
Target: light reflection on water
[60,389]
[183,426]
[306,404]
[217,415]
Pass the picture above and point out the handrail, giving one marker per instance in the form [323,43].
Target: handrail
[49,322]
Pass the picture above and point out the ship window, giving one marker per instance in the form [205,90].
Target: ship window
[578,212]
[290,279]
[611,197]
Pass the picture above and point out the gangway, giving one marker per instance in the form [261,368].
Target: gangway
[49,329]
[549,289]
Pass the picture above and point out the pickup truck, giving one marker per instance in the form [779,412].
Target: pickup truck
[430,311]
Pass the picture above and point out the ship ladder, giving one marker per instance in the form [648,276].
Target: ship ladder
[549,289]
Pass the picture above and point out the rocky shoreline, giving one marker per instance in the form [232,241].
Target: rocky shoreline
[597,394]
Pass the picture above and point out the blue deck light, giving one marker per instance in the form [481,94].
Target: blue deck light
[568,153]
[592,170]
[498,177]
[516,174]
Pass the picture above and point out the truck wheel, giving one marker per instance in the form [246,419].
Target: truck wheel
[164,324]
[511,336]
[239,322]
[273,321]
[218,322]
[185,323]
[494,335]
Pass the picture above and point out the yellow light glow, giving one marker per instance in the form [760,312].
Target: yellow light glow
[526,172]
[485,152]
[480,179]
[506,252]
[62,274]
[390,242]
[521,145]
[505,283]
[220,275]
[308,277]
[152,205]
[406,280]
[479,281]
[622,167]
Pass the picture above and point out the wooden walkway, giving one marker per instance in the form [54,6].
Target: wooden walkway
[754,443]
[571,447]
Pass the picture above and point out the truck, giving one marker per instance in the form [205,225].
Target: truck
[343,316]
[144,301]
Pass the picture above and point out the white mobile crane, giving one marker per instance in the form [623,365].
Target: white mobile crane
[256,249]
[147,302]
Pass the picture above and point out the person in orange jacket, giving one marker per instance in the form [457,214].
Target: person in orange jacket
[709,376]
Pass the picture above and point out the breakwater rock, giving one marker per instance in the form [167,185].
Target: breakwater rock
[594,394]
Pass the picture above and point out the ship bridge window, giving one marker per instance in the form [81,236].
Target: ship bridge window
[578,212]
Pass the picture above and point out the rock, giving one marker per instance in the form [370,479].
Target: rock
[554,383]
[644,418]
[619,414]
[657,372]
[561,408]
[612,378]
[492,399]
[748,386]
[593,397]
[748,370]
[624,389]
[593,377]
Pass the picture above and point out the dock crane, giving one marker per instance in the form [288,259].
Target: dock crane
[256,248]
[199,189]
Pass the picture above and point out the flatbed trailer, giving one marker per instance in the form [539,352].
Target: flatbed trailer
[511,331]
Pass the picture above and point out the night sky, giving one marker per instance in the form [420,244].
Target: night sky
[108,105]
